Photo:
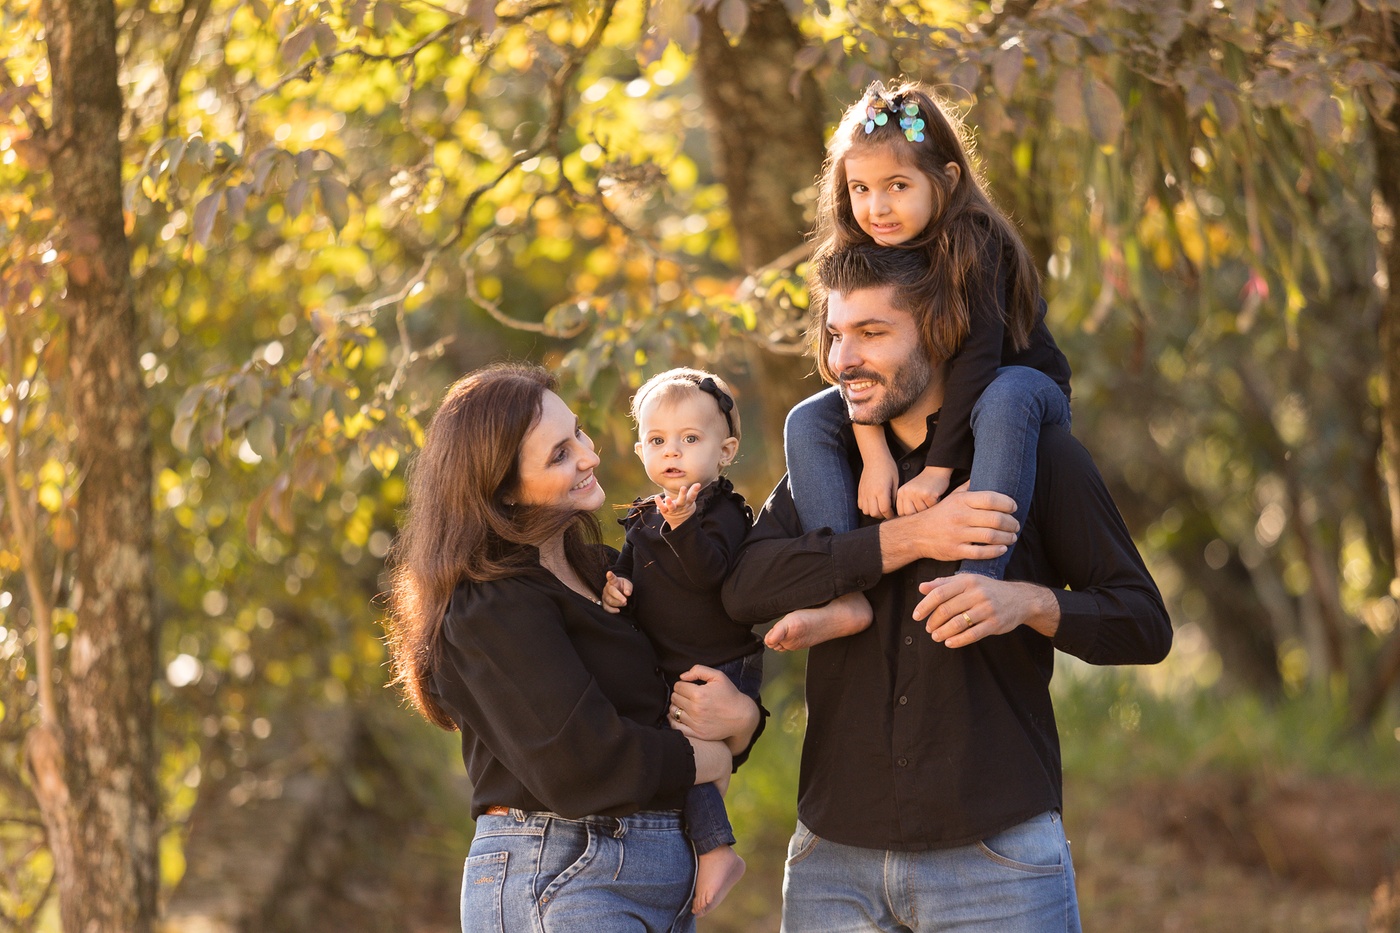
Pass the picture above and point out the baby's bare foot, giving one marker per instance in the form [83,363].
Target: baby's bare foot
[844,615]
[716,872]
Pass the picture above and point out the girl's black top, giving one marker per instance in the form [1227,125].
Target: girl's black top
[561,704]
[677,574]
[986,348]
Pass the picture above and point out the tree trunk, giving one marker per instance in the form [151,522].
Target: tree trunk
[768,144]
[97,788]
[769,148]
[1385,29]
[1235,618]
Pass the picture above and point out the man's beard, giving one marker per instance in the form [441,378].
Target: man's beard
[900,391]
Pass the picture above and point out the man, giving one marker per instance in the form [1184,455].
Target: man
[930,788]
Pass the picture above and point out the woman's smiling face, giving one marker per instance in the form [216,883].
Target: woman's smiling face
[557,462]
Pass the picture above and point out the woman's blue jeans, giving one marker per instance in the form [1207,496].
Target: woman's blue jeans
[1017,881]
[1006,423]
[541,873]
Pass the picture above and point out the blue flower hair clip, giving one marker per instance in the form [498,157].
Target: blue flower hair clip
[878,114]
[911,123]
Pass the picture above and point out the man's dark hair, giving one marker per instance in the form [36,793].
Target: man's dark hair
[856,268]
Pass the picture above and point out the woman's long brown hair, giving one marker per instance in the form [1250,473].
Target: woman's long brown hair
[965,226]
[457,525]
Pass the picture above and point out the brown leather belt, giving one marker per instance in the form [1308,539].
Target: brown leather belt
[498,811]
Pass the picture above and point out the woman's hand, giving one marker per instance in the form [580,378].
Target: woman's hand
[706,705]
[713,761]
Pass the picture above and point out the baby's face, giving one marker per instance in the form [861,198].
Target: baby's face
[683,441]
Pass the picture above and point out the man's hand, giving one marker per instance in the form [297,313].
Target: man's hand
[676,509]
[879,477]
[967,607]
[616,592]
[963,526]
[923,491]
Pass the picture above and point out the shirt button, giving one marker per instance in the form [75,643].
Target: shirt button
[903,701]
[902,762]
[906,467]
[909,639]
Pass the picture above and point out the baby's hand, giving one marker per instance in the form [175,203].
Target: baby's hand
[615,592]
[878,481]
[676,509]
[924,490]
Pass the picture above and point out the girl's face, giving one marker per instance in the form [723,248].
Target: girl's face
[684,440]
[557,462]
[892,200]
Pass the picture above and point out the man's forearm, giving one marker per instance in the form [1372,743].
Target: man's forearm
[1041,609]
[963,526]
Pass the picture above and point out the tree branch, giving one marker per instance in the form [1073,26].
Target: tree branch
[38,129]
[195,11]
[22,529]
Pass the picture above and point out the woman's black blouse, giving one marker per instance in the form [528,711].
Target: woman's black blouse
[561,704]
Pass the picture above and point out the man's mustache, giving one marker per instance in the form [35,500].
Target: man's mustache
[860,375]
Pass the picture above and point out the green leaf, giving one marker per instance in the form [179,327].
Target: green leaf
[806,59]
[483,13]
[296,197]
[1337,12]
[298,44]
[1006,69]
[205,213]
[1104,112]
[261,436]
[734,18]
[334,201]
[325,38]
[249,391]
[1069,100]
[384,14]
[181,433]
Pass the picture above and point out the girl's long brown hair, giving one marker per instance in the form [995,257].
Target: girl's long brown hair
[965,226]
[458,526]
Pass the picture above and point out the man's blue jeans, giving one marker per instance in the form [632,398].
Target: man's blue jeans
[1017,881]
[1006,424]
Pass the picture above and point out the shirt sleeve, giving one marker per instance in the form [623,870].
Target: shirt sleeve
[523,689]
[708,543]
[622,567]
[780,569]
[974,366]
[1112,612]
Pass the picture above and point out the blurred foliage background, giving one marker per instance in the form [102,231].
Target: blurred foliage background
[335,207]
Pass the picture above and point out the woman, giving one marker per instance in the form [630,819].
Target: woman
[496,630]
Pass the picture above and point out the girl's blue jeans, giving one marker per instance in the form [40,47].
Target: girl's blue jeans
[541,873]
[1006,423]
[706,821]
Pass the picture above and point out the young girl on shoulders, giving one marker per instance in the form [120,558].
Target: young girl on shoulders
[897,174]
[681,544]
